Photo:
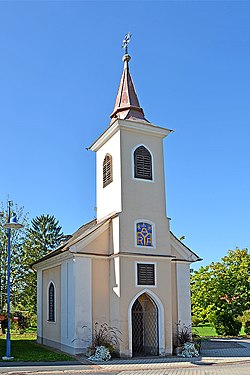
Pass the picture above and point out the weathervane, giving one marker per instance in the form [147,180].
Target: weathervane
[125,42]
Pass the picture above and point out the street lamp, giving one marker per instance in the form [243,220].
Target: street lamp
[11,224]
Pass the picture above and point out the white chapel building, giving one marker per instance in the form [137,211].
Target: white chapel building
[124,268]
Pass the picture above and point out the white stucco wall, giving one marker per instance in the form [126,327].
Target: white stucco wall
[68,302]
[183,293]
[51,330]
[143,199]
[76,304]
[109,198]
[83,300]
[124,291]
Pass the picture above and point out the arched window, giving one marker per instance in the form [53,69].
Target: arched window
[51,303]
[142,163]
[107,170]
[144,234]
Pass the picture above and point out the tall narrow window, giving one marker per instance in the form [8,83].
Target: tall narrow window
[107,170]
[142,163]
[51,303]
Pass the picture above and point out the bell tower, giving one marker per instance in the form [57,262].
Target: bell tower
[130,174]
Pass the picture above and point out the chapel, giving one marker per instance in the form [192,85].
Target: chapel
[124,268]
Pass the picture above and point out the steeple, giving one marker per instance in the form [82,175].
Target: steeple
[127,105]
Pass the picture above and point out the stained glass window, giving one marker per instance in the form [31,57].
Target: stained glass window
[144,235]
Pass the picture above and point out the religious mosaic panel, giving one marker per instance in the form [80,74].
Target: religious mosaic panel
[144,235]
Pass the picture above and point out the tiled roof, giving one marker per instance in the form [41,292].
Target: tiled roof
[77,236]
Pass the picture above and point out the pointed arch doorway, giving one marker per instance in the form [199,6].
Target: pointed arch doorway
[145,335]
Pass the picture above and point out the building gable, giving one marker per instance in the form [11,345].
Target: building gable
[181,251]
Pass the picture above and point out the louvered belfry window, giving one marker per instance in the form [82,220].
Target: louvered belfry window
[107,170]
[142,163]
[145,274]
[51,303]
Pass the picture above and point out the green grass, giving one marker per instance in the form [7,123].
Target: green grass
[205,330]
[208,330]
[24,348]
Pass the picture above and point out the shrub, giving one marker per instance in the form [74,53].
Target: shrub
[23,322]
[227,325]
[4,325]
[247,328]
[189,350]
[196,321]
[245,317]
[101,354]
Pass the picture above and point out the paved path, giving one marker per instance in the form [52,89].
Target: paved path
[217,351]
[205,370]
[218,356]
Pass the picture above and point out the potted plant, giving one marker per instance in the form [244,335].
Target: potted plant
[183,335]
[104,337]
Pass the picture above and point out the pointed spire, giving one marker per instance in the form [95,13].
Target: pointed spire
[127,105]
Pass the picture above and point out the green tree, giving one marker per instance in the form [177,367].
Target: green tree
[18,238]
[222,287]
[44,235]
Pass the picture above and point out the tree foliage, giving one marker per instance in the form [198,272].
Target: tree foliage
[226,324]
[247,327]
[28,244]
[43,236]
[222,288]
[245,317]
[18,238]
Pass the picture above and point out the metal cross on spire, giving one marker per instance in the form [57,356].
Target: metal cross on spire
[125,42]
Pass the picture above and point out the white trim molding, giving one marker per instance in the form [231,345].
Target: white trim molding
[160,307]
[135,126]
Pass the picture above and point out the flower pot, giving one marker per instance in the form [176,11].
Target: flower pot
[90,351]
[178,350]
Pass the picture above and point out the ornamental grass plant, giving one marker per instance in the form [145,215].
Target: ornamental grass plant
[107,336]
[183,333]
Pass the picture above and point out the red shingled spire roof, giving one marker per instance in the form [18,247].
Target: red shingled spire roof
[127,105]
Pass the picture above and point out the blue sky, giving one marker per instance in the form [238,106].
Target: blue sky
[60,69]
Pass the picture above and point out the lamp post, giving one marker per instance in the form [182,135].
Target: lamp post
[11,224]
